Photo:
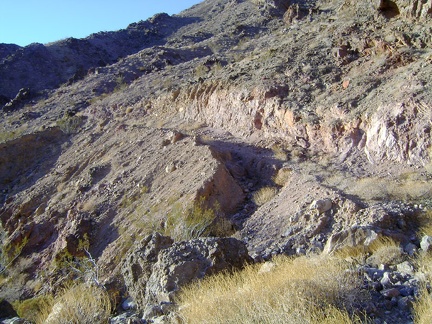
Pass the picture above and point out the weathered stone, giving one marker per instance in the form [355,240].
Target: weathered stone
[426,243]
[390,293]
[157,269]
[322,205]
[137,268]
[411,249]
[405,268]
[15,320]
[6,309]
[350,238]
[128,304]
[126,318]
[387,281]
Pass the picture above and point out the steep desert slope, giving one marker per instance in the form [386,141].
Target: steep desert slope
[296,123]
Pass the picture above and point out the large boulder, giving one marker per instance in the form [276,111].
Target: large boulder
[158,268]
[137,268]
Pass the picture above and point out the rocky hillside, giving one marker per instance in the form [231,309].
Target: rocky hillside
[281,127]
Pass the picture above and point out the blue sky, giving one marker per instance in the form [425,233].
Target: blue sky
[27,21]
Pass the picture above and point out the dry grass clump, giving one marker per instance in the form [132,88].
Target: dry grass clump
[424,220]
[372,188]
[279,152]
[407,188]
[423,308]
[181,221]
[383,250]
[264,195]
[282,176]
[30,309]
[190,222]
[302,290]
[78,304]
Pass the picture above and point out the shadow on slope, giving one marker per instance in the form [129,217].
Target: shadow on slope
[26,159]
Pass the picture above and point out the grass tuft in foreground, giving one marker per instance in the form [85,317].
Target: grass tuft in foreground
[81,303]
[302,290]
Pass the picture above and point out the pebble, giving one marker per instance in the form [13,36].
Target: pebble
[390,293]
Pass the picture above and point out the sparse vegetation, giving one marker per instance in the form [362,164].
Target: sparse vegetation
[302,290]
[10,252]
[384,250]
[201,71]
[80,303]
[423,305]
[264,195]
[181,222]
[30,309]
[423,308]
[121,84]
[346,104]
[6,136]
[279,152]
[185,223]
[282,176]
[70,124]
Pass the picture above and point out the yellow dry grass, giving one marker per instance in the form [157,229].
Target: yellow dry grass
[423,308]
[302,290]
[384,248]
[425,223]
[78,304]
[282,176]
[410,186]
[263,195]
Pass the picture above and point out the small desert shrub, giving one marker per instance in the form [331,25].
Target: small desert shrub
[264,195]
[10,252]
[282,176]
[372,188]
[383,250]
[279,152]
[70,124]
[186,223]
[78,304]
[303,290]
[6,136]
[121,84]
[424,221]
[130,199]
[30,309]
[201,71]
[423,305]
[181,222]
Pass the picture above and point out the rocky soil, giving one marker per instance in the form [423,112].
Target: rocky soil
[301,127]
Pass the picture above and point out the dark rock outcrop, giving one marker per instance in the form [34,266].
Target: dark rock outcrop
[158,268]
[22,95]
